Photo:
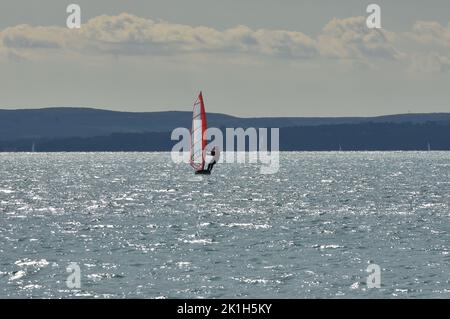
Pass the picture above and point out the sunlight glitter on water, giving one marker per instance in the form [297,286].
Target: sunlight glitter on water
[140,226]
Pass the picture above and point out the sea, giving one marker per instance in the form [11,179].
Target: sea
[138,225]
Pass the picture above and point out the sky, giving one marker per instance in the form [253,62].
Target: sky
[249,57]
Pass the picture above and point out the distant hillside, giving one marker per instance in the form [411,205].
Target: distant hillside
[348,137]
[57,123]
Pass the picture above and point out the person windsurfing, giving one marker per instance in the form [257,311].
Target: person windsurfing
[215,153]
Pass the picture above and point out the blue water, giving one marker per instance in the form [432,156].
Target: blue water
[141,226]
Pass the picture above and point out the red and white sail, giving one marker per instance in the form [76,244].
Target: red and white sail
[198,134]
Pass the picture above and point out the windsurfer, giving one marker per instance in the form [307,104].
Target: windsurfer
[215,153]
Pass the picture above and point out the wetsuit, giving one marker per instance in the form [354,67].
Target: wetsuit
[212,163]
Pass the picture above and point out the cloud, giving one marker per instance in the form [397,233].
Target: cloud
[27,37]
[128,35]
[133,35]
[434,33]
[24,42]
[351,39]
[431,42]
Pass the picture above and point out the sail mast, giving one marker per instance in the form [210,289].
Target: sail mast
[204,126]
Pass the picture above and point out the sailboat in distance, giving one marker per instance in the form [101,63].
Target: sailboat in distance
[198,137]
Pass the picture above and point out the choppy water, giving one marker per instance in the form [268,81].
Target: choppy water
[140,226]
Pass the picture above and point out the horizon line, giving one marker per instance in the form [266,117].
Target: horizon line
[217,113]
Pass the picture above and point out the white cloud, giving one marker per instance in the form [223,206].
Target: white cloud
[431,42]
[27,37]
[133,35]
[128,35]
[351,39]
[425,32]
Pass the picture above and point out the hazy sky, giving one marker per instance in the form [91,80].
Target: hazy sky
[250,57]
